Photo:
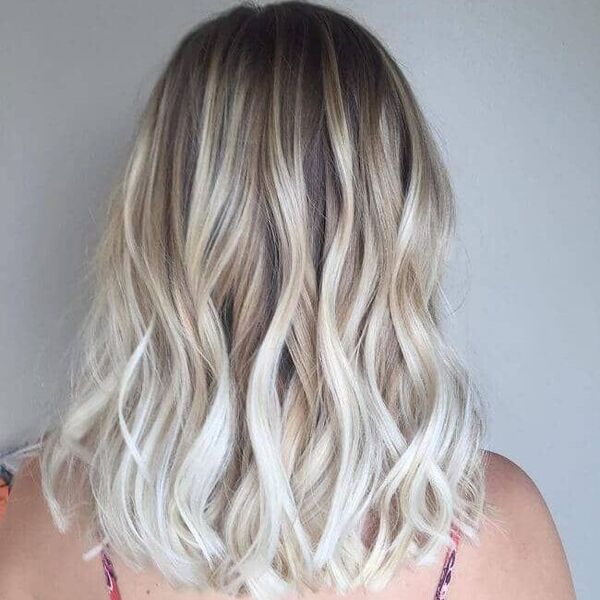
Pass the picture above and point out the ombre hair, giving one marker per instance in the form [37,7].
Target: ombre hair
[264,402]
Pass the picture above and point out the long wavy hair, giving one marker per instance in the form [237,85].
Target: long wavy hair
[264,402]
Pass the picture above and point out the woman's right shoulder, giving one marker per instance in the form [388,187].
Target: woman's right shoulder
[36,560]
[520,554]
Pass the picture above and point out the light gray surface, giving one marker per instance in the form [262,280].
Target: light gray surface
[512,89]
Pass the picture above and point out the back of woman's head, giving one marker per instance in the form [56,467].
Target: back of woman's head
[264,400]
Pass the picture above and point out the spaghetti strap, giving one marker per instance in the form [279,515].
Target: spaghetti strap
[110,577]
[441,592]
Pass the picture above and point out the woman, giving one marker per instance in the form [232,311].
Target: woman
[264,404]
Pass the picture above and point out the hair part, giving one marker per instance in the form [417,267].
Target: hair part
[263,379]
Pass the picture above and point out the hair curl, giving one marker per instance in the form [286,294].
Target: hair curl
[264,401]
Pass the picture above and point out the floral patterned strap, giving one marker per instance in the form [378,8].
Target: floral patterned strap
[441,593]
[111,577]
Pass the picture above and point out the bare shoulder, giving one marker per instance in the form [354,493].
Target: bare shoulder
[36,560]
[520,554]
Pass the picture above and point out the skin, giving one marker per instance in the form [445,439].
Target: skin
[521,559]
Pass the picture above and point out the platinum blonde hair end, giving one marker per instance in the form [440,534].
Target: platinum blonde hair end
[264,402]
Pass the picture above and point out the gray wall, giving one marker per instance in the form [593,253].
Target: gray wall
[512,90]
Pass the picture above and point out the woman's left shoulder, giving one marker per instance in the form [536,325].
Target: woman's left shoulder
[520,553]
[36,560]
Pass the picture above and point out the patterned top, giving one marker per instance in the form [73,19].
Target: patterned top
[111,577]
[441,592]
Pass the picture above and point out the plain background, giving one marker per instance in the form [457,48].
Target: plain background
[512,90]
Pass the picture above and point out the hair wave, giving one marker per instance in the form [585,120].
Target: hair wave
[264,401]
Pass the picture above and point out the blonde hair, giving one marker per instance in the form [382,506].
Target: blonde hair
[264,402]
